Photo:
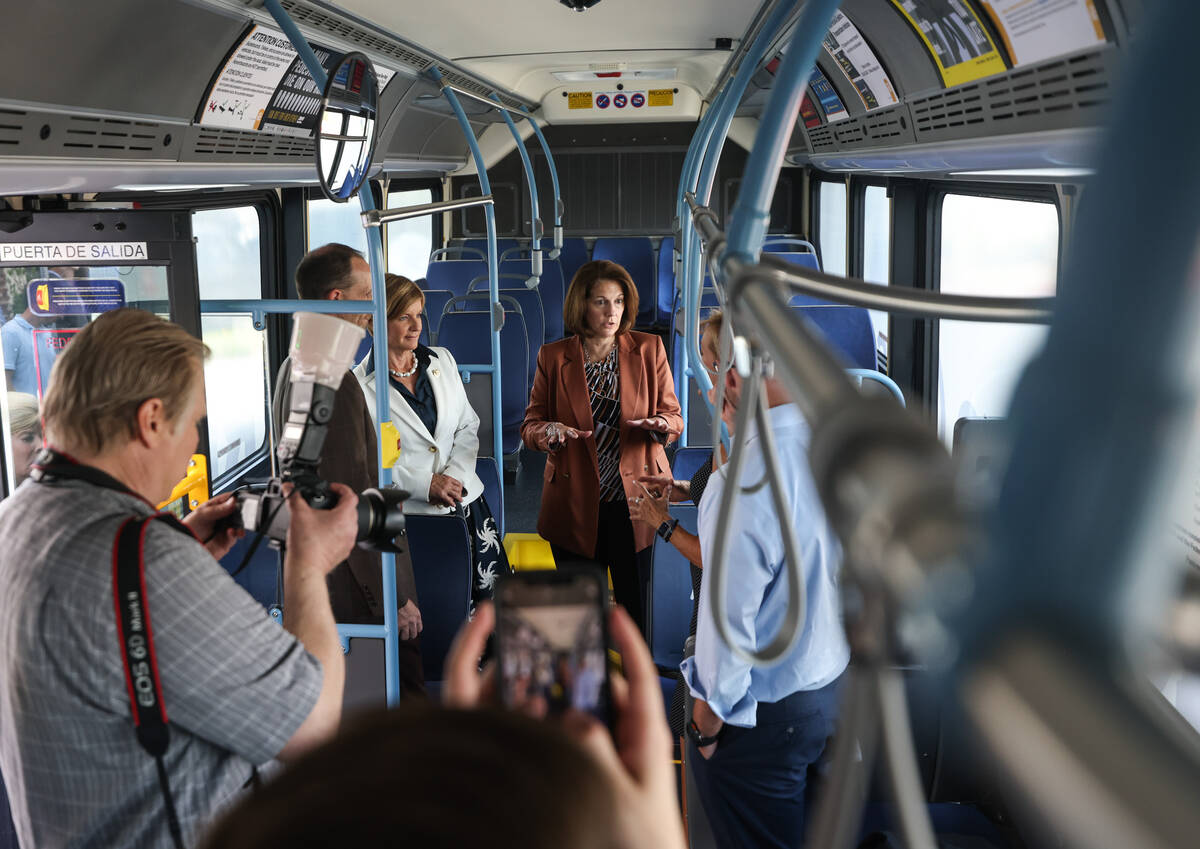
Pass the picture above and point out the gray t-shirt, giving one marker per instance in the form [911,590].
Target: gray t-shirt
[235,685]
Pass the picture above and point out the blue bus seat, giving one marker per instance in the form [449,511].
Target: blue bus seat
[489,472]
[468,336]
[435,302]
[636,254]
[574,253]
[502,244]
[847,329]
[781,243]
[687,461]
[670,602]
[665,283]
[454,274]
[551,288]
[805,260]
[513,286]
[441,558]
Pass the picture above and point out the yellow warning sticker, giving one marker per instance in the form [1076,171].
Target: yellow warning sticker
[579,100]
[661,97]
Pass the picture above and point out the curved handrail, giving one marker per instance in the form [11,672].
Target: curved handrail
[445,254]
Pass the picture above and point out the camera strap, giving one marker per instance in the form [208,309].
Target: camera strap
[137,651]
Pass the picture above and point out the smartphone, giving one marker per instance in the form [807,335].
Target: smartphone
[552,642]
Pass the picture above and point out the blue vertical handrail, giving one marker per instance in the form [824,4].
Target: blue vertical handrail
[687,183]
[535,215]
[389,630]
[497,313]
[752,214]
[558,204]
[379,353]
[315,69]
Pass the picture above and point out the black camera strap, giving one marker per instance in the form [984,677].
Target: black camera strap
[137,651]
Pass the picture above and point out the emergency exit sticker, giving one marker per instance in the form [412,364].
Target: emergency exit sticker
[83,296]
[661,96]
[579,100]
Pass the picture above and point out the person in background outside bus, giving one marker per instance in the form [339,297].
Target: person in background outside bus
[400,775]
[24,370]
[756,732]
[351,456]
[603,405]
[438,431]
[123,411]
[25,425]
[652,509]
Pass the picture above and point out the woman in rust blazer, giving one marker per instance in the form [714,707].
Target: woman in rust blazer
[603,405]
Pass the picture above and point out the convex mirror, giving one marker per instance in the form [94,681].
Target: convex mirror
[346,127]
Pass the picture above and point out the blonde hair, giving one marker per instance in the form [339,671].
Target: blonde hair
[585,279]
[23,413]
[400,293]
[117,363]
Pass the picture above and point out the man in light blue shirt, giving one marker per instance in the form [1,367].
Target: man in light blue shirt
[28,356]
[756,731]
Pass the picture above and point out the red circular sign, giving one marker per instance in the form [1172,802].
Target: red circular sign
[620,100]
[638,100]
[601,101]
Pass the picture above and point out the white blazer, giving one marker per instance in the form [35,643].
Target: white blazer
[451,450]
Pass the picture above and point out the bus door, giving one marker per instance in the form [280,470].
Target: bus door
[58,272]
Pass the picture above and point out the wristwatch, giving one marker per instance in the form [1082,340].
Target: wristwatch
[698,739]
[667,528]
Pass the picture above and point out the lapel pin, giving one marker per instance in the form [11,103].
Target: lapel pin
[435,372]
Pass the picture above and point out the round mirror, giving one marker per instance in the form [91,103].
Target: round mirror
[346,127]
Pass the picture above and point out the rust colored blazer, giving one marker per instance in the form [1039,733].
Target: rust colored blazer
[571,483]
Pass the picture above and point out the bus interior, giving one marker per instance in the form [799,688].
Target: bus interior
[962,232]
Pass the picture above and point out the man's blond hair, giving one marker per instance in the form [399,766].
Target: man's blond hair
[114,365]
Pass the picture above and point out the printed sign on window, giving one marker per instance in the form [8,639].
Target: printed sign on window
[83,296]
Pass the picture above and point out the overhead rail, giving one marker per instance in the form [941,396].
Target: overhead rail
[376,217]
[535,220]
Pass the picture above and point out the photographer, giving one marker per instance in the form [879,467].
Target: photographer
[351,456]
[122,419]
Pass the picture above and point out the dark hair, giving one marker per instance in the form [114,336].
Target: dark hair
[432,777]
[585,279]
[324,269]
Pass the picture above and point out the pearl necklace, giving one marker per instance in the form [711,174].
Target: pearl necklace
[402,374]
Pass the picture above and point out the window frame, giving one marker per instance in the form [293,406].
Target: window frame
[936,197]
[816,178]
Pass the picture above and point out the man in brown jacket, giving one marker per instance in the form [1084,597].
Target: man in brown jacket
[351,456]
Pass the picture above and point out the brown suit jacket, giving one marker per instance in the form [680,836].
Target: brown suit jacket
[571,483]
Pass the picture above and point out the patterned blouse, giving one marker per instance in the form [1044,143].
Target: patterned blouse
[604,390]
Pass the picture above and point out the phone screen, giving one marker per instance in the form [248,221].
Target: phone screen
[552,643]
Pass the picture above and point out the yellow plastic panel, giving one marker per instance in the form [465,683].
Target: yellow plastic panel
[190,492]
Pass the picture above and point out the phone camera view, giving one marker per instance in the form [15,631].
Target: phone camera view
[552,651]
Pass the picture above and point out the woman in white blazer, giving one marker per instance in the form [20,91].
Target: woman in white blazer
[438,431]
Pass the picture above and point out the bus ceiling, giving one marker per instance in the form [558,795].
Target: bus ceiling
[211,97]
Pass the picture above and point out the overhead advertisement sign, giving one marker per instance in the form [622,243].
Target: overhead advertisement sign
[846,46]
[1036,31]
[831,104]
[265,85]
[808,113]
[960,46]
[83,296]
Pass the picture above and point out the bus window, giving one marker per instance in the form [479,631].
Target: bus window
[409,242]
[229,265]
[336,222]
[877,255]
[991,246]
[831,229]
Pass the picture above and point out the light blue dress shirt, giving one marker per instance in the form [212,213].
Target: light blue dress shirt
[18,337]
[757,584]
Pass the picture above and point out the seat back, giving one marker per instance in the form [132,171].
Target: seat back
[467,334]
[454,275]
[435,302]
[513,286]
[687,461]
[804,260]
[550,287]
[488,471]
[575,252]
[665,283]
[441,558]
[636,254]
[670,603]
[847,329]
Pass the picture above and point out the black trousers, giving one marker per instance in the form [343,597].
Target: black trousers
[630,569]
